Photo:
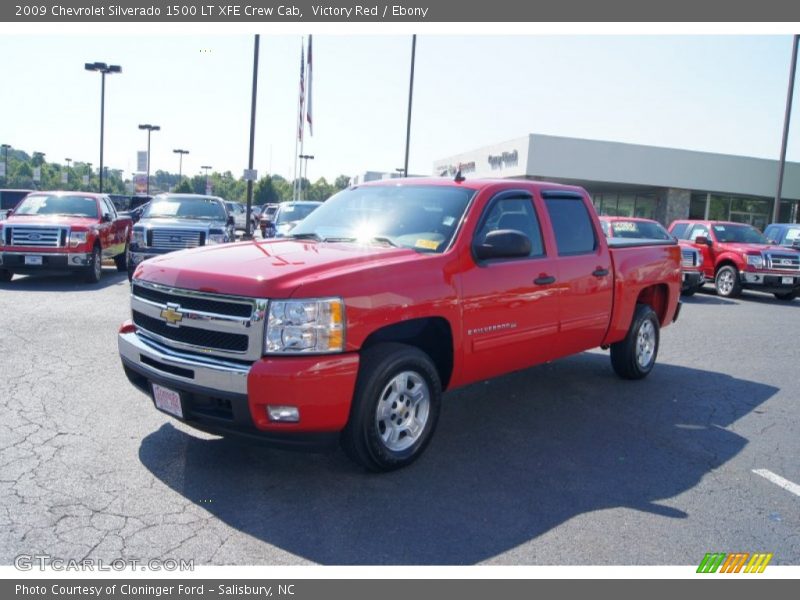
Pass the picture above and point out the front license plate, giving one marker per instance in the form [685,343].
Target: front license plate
[787,280]
[168,400]
[33,260]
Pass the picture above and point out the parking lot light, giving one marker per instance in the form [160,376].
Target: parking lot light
[104,70]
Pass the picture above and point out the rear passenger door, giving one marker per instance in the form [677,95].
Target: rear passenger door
[585,273]
[509,306]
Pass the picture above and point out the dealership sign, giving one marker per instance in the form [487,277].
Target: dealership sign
[141,160]
[506,159]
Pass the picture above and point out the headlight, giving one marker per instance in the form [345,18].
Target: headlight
[76,238]
[215,236]
[755,260]
[309,326]
[139,238]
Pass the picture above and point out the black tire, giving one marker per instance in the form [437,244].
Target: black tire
[689,291]
[94,270]
[626,359]
[787,297]
[727,282]
[383,366]
[5,275]
[121,260]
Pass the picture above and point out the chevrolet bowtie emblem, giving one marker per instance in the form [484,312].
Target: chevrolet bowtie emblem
[172,315]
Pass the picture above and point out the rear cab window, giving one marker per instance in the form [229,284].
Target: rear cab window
[572,224]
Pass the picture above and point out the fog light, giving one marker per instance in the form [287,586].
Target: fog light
[285,414]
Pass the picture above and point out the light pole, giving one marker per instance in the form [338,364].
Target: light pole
[5,148]
[304,171]
[248,234]
[181,152]
[104,70]
[776,208]
[69,166]
[150,129]
[206,168]
[410,98]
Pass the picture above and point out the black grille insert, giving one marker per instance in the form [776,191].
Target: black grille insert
[232,342]
[203,304]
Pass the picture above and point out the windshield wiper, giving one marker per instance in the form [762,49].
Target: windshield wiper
[385,240]
[306,236]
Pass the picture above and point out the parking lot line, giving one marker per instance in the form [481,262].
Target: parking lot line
[779,481]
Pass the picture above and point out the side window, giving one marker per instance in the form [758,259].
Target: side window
[697,231]
[105,209]
[517,214]
[572,225]
[679,231]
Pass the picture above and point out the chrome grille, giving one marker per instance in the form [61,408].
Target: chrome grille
[689,257]
[783,262]
[176,239]
[210,324]
[36,237]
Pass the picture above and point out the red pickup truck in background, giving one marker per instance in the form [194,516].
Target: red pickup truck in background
[351,327]
[692,275]
[738,256]
[51,232]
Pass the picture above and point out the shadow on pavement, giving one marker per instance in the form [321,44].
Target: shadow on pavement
[64,283]
[512,458]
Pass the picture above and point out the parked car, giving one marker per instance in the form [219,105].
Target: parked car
[291,213]
[59,232]
[267,220]
[177,221]
[637,227]
[350,328]
[784,234]
[239,213]
[738,256]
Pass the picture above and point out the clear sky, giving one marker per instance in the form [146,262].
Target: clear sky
[722,93]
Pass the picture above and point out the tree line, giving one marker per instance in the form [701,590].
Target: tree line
[82,176]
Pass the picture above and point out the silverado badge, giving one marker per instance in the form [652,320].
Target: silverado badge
[172,315]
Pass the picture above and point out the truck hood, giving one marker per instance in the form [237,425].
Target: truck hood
[265,269]
[181,224]
[751,248]
[51,221]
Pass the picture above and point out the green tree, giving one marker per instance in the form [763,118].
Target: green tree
[265,192]
[184,187]
[342,182]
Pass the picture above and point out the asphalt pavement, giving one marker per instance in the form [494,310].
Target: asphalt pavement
[563,463]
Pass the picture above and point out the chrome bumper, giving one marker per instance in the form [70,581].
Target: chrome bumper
[151,358]
[73,259]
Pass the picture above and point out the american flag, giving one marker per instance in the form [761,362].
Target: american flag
[302,94]
[308,109]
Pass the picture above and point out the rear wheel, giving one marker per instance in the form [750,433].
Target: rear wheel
[728,283]
[5,275]
[395,407]
[635,356]
[121,260]
[787,297]
[94,269]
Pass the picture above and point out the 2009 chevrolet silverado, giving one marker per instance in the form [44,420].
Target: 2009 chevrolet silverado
[389,293]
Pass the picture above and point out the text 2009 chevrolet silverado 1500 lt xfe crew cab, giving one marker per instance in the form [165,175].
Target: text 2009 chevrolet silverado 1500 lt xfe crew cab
[385,296]
[52,232]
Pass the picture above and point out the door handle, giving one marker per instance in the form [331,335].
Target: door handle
[544,280]
[600,272]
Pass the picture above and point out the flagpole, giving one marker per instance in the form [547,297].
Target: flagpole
[297,132]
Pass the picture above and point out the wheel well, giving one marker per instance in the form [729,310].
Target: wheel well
[725,263]
[656,297]
[432,335]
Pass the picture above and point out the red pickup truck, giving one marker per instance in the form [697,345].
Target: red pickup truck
[738,256]
[51,232]
[351,327]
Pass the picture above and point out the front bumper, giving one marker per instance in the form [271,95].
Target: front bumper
[770,281]
[231,398]
[20,262]
[692,279]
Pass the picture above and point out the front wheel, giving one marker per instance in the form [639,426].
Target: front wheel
[786,297]
[94,269]
[728,283]
[635,356]
[395,407]
[5,275]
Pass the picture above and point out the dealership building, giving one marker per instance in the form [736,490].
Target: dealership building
[644,181]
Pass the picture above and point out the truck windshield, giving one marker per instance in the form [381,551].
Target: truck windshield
[294,212]
[424,218]
[739,234]
[52,204]
[639,229]
[185,208]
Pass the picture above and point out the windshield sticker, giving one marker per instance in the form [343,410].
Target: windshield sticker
[427,244]
[625,226]
[719,228]
[793,234]
[448,221]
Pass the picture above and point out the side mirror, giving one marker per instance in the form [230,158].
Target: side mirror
[774,242]
[231,220]
[503,243]
[701,239]
[106,218]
